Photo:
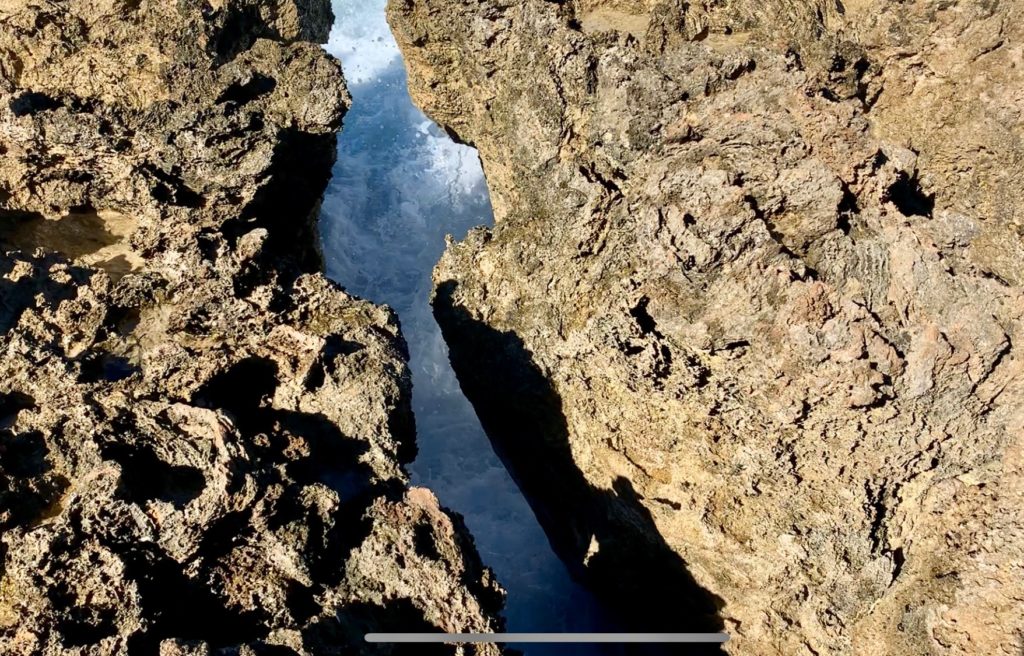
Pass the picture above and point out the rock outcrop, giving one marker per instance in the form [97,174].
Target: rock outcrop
[201,437]
[747,327]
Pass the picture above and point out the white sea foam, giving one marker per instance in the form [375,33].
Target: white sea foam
[400,184]
[362,41]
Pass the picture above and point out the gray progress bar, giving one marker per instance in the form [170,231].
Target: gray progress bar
[549,638]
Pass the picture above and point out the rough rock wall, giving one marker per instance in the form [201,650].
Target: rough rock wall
[746,328]
[201,438]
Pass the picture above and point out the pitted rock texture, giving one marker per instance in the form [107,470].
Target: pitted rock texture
[201,438]
[746,328]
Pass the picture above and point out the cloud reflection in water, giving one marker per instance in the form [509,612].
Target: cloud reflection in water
[400,185]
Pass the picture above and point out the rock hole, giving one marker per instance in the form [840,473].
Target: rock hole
[302,603]
[241,93]
[145,477]
[31,103]
[647,324]
[848,206]
[674,505]
[25,455]
[169,187]
[735,346]
[909,198]
[123,320]
[241,390]
[106,367]
[424,542]
[898,559]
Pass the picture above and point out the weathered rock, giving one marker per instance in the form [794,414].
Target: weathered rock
[746,327]
[202,438]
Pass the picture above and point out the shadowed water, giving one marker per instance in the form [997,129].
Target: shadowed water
[400,185]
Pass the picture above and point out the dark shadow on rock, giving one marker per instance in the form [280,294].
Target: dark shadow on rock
[81,625]
[312,449]
[146,477]
[176,605]
[238,30]
[288,207]
[18,296]
[634,571]
[245,390]
[286,448]
[11,404]
[29,488]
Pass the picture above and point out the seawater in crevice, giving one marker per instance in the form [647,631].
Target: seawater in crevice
[400,185]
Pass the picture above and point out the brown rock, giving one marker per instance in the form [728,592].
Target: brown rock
[745,328]
[201,438]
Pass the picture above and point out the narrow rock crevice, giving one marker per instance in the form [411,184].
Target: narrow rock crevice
[202,439]
[802,412]
[606,537]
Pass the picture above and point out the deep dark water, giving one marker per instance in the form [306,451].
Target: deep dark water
[400,185]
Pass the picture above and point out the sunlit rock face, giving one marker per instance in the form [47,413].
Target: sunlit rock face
[202,438]
[746,325]
[400,186]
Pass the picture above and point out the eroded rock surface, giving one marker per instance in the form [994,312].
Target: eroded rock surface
[746,328]
[201,438]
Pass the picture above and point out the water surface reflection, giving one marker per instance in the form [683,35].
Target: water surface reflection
[400,185]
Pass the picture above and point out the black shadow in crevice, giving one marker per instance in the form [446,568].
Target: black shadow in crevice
[634,571]
[288,207]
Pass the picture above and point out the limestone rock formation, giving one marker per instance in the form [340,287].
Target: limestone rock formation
[747,327]
[201,438]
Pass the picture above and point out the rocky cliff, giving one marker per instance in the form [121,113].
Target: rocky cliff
[201,438]
[746,328]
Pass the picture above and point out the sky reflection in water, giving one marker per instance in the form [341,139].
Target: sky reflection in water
[400,185]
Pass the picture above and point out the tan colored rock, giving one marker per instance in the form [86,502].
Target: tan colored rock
[745,328]
[202,438]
